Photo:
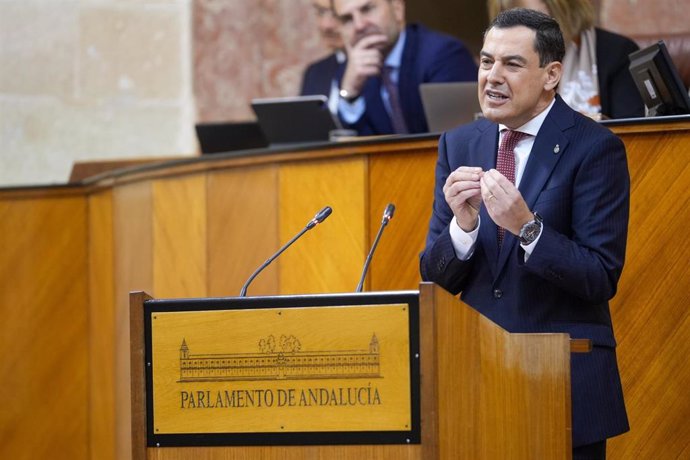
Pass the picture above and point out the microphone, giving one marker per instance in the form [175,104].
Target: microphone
[387,216]
[318,218]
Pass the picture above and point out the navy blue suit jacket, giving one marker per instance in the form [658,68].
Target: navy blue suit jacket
[428,56]
[319,75]
[577,179]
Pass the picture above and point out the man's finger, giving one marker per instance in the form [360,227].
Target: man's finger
[373,40]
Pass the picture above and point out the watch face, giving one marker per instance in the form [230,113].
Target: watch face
[530,232]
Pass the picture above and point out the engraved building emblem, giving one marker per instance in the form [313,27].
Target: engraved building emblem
[280,360]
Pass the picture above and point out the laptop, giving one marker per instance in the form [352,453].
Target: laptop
[227,136]
[295,120]
[447,105]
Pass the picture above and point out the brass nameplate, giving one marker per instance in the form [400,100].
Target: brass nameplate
[281,370]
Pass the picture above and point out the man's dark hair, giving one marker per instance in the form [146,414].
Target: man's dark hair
[548,44]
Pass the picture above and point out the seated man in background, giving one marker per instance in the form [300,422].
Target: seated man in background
[596,80]
[387,61]
[320,76]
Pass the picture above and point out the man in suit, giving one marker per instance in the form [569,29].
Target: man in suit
[320,77]
[387,61]
[557,261]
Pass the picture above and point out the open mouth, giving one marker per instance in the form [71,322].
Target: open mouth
[496,96]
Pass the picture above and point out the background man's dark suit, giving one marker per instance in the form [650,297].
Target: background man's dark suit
[428,56]
[619,95]
[319,75]
[577,179]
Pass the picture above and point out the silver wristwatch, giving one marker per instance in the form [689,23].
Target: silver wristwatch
[347,95]
[531,230]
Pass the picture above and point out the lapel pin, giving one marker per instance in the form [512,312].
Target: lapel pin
[557,149]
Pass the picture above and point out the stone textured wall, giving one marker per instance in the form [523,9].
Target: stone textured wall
[639,17]
[246,49]
[92,80]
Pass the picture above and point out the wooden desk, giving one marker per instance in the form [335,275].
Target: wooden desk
[198,227]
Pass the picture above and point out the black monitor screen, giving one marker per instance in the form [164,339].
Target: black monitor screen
[658,81]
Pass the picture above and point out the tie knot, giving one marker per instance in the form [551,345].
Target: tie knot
[510,140]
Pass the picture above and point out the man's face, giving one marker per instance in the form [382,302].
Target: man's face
[329,27]
[360,18]
[512,87]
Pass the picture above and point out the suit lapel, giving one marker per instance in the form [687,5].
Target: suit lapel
[330,66]
[407,80]
[483,153]
[376,112]
[549,147]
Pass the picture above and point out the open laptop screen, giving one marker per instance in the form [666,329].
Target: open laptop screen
[447,105]
[217,137]
[290,120]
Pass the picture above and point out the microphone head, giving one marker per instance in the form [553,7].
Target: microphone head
[388,213]
[321,215]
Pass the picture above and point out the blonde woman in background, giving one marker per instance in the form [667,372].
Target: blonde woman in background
[596,80]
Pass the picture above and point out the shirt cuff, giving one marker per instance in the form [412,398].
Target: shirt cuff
[530,247]
[351,112]
[463,242]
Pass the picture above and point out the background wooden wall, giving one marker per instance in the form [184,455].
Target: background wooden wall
[650,313]
[44,331]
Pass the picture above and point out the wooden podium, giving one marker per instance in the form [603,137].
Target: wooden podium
[449,385]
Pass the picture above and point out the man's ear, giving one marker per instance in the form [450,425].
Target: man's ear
[554,71]
[398,10]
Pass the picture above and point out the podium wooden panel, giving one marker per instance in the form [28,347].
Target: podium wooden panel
[485,393]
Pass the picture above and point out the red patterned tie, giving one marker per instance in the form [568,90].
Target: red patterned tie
[397,118]
[505,163]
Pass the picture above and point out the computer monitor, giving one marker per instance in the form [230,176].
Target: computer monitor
[658,81]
